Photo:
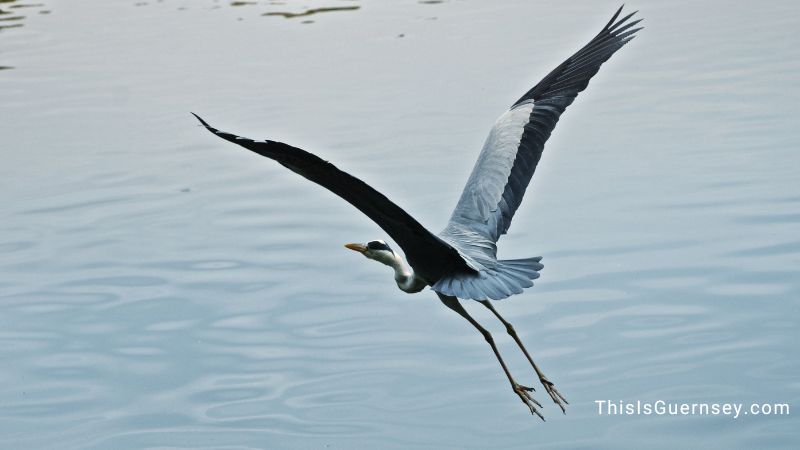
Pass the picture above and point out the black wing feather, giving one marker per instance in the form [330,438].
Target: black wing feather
[572,76]
[430,256]
[551,97]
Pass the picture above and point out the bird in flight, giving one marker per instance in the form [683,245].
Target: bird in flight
[461,261]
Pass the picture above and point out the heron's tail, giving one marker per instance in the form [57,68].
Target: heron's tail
[497,281]
[528,267]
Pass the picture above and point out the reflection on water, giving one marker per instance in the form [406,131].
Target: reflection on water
[307,11]
[312,11]
[162,289]
[12,14]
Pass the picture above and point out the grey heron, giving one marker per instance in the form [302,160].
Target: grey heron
[461,261]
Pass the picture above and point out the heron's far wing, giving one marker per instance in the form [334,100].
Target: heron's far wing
[512,150]
[423,249]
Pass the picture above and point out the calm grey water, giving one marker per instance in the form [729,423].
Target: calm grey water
[161,288]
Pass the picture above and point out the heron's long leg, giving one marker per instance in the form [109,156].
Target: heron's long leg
[548,385]
[522,391]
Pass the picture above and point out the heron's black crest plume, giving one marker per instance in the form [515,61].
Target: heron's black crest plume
[377,245]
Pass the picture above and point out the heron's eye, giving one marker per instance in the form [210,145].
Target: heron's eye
[377,245]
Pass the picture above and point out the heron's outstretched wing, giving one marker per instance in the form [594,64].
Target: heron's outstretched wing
[509,157]
[426,253]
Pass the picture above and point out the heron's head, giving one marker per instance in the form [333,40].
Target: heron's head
[377,250]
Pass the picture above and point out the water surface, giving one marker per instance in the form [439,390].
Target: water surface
[163,289]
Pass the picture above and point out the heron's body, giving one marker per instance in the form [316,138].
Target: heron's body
[461,261]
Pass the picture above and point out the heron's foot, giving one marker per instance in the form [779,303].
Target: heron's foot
[524,394]
[550,388]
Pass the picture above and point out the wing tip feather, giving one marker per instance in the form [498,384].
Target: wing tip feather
[200,119]
[614,17]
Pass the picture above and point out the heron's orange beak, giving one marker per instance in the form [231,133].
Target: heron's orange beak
[357,247]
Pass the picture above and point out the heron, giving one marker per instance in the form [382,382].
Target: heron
[460,262]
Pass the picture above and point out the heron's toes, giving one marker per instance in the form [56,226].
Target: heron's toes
[524,394]
[557,397]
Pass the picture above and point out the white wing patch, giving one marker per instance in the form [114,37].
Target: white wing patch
[489,176]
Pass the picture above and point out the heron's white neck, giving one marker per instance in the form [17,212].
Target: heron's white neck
[406,280]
